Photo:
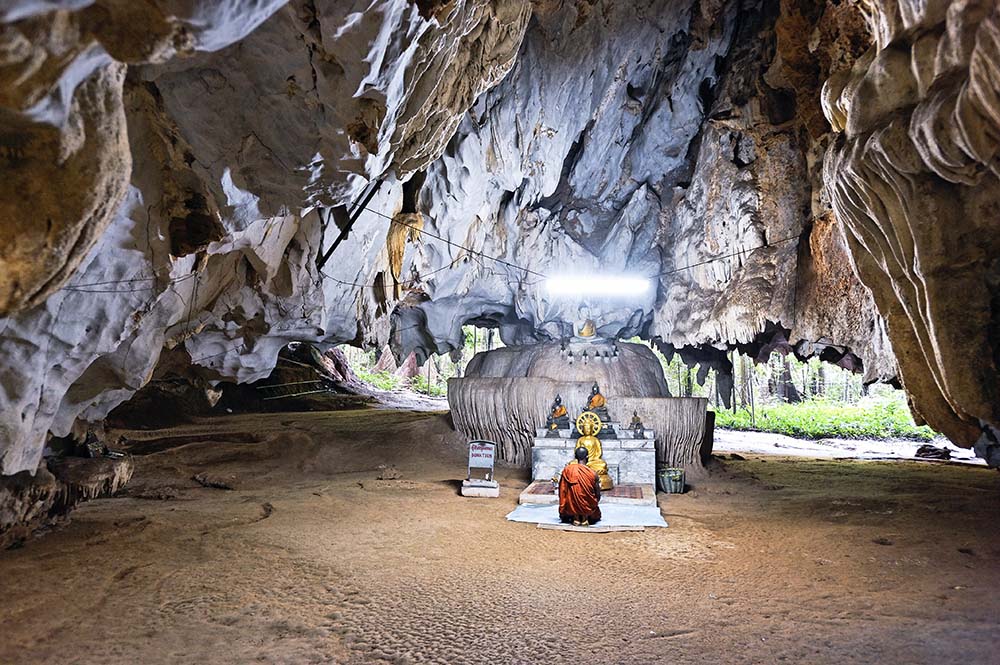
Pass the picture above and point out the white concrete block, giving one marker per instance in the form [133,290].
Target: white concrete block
[489,489]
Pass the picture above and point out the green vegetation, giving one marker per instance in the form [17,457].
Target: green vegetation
[881,417]
[812,400]
[431,378]
[419,384]
[381,380]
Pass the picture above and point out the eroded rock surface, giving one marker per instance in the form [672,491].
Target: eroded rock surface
[913,177]
[29,502]
[195,247]
[174,169]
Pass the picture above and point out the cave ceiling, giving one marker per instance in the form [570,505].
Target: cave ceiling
[816,178]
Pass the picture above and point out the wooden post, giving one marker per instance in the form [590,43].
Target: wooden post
[732,361]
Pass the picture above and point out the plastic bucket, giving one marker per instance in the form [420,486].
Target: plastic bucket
[671,480]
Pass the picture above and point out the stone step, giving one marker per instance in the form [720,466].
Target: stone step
[544,492]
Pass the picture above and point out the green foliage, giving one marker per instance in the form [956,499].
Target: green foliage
[381,380]
[884,417]
[419,384]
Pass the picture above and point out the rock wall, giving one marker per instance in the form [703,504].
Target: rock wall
[679,426]
[636,371]
[31,501]
[205,237]
[913,177]
[794,176]
[507,411]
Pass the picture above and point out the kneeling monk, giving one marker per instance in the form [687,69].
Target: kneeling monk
[579,491]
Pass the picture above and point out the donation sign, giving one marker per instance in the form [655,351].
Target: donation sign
[481,455]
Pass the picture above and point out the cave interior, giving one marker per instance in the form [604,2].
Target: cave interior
[205,202]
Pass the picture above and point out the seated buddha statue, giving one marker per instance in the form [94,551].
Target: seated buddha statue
[589,426]
[638,430]
[598,404]
[558,417]
[585,328]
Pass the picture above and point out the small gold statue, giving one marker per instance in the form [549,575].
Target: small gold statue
[589,425]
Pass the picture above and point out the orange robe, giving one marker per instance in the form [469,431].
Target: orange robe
[578,494]
[596,402]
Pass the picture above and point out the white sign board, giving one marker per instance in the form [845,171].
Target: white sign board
[481,456]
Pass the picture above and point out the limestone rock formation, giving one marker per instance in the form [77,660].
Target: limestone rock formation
[181,252]
[507,393]
[64,140]
[913,177]
[636,370]
[32,501]
[811,178]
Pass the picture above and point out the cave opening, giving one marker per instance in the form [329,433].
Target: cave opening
[440,331]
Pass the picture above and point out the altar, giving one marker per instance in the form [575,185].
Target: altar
[629,453]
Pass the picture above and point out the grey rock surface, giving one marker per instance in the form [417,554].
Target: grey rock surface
[787,178]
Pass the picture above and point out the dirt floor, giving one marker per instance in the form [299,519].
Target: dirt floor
[311,558]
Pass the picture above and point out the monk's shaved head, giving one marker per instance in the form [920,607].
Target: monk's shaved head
[581,454]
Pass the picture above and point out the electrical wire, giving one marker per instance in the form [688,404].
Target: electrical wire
[82,288]
[455,244]
[543,276]
[727,256]
[241,347]
[374,286]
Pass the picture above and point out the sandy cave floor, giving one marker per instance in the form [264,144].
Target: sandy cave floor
[313,559]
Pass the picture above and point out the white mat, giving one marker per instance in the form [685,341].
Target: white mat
[612,514]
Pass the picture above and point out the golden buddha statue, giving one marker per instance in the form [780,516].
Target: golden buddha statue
[585,328]
[589,425]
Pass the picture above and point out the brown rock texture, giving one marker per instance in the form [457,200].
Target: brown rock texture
[913,178]
[29,502]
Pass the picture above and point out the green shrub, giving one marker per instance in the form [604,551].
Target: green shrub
[419,384]
[381,380]
[873,418]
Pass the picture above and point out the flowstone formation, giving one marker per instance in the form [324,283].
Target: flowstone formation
[808,178]
[505,397]
[915,179]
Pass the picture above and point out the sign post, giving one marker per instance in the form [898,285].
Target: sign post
[479,480]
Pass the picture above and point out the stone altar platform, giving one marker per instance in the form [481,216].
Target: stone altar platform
[629,494]
[630,461]
[631,464]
